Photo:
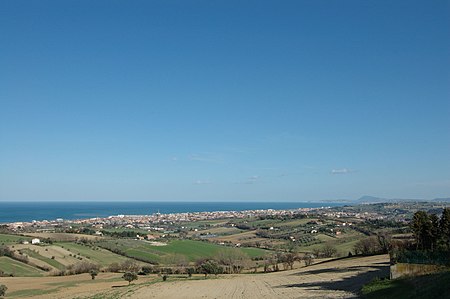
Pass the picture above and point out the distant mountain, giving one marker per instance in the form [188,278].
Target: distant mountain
[446,199]
[373,199]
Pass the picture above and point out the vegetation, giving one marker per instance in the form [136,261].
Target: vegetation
[93,273]
[12,267]
[130,276]
[209,267]
[82,267]
[6,239]
[427,286]
[431,232]
[190,249]
[92,252]
[3,290]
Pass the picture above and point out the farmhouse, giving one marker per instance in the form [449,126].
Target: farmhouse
[35,241]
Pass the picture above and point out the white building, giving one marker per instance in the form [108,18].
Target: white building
[35,241]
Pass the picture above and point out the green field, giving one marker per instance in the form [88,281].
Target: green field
[98,255]
[10,266]
[204,223]
[11,239]
[51,262]
[192,250]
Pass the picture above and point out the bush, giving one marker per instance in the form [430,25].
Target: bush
[93,273]
[3,289]
[130,266]
[114,267]
[83,267]
[130,276]
[146,270]
[190,271]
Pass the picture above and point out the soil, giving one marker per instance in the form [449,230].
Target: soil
[333,279]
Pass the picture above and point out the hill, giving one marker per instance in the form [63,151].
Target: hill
[333,279]
[425,287]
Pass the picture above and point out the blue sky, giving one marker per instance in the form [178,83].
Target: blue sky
[224,100]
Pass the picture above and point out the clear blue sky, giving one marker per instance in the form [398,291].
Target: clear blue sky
[224,100]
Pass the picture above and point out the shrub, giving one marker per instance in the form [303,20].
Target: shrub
[130,276]
[146,270]
[114,267]
[83,267]
[3,289]
[93,273]
[130,266]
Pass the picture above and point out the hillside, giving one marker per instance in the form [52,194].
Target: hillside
[424,287]
[335,279]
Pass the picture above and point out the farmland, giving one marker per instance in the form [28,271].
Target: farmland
[192,250]
[335,279]
[8,265]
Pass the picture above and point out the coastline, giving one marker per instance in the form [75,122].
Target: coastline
[96,210]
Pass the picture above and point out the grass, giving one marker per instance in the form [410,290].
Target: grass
[53,287]
[192,250]
[29,293]
[343,244]
[98,256]
[17,268]
[204,223]
[11,239]
[47,260]
[425,287]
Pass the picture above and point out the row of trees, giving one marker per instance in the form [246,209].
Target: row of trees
[430,231]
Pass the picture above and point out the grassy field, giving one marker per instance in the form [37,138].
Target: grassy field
[94,254]
[52,262]
[10,266]
[427,286]
[204,223]
[11,239]
[63,237]
[221,230]
[192,250]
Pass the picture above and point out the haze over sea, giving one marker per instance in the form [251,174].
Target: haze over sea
[29,211]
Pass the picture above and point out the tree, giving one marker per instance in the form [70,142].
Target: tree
[234,260]
[329,250]
[421,226]
[93,273]
[367,246]
[210,267]
[3,289]
[444,228]
[308,259]
[288,259]
[178,260]
[384,241]
[130,276]
[130,265]
[434,231]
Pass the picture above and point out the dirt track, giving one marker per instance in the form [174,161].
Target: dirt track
[337,279]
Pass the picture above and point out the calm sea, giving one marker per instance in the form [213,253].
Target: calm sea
[28,211]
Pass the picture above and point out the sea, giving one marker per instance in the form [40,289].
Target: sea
[70,210]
